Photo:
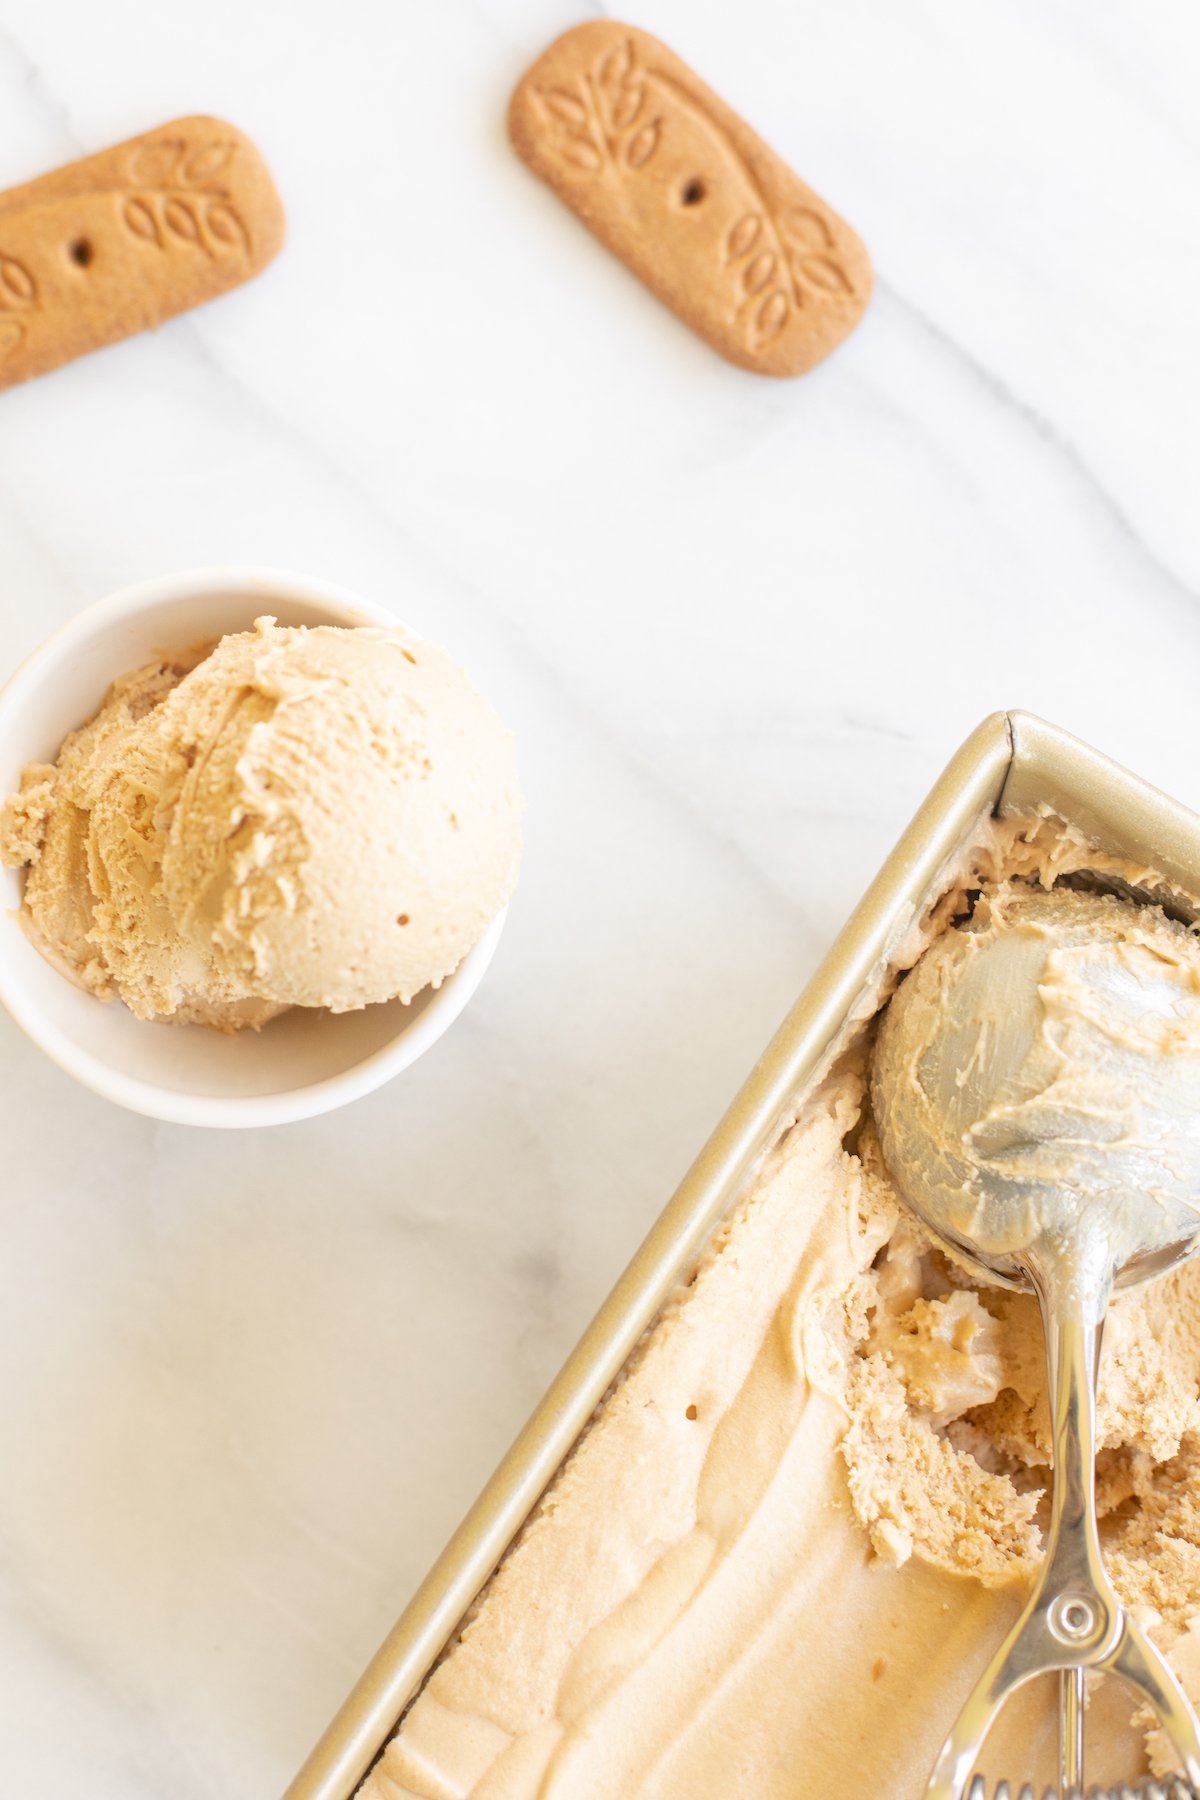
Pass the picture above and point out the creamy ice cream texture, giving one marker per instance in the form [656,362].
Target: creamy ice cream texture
[324,817]
[783,1551]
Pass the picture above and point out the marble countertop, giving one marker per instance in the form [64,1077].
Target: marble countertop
[251,1381]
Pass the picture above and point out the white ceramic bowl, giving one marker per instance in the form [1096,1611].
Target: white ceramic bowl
[302,1063]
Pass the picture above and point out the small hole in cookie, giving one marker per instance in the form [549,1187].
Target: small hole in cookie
[402,918]
[80,252]
[692,1413]
[693,193]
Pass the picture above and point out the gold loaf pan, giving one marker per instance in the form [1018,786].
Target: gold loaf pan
[1012,763]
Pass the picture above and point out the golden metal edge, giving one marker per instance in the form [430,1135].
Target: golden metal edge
[1012,761]
[1107,802]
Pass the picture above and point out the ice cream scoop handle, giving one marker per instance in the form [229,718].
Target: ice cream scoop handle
[1072,1616]
[1073,1619]
[1145,1668]
[1072,1697]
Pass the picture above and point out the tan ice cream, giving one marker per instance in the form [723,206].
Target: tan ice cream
[301,817]
[780,1556]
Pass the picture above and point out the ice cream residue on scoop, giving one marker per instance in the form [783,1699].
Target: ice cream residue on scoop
[1040,1068]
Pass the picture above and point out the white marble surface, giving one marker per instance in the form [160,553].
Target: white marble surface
[249,1382]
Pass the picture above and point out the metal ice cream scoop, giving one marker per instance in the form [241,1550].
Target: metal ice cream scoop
[1036,1087]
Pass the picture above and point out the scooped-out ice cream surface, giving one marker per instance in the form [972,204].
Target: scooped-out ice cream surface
[811,1506]
[320,817]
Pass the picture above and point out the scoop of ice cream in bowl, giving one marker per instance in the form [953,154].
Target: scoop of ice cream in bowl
[258,839]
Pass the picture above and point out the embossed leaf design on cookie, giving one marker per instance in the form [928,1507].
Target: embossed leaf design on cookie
[778,278]
[141,218]
[180,199]
[179,217]
[18,293]
[207,163]
[807,228]
[754,243]
[224,225]
[600,124]
[567,108]
[617,67]
[584,154]
[643,144]
[569,118]
[811,240]
[156,165]
[17,286]
[771,316]
[173,163]
[760,273]
[743,234]
[823,272]
[620,86]
[213,226]
[625,108]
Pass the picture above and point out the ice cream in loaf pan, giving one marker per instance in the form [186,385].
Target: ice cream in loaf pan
[782,1552]
[321,817]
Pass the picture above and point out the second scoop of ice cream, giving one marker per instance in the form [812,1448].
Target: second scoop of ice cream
[309,817]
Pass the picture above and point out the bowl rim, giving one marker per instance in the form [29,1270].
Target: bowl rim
[223,1111]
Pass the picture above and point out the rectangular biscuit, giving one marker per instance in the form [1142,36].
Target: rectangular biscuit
[692,200]
[119,241]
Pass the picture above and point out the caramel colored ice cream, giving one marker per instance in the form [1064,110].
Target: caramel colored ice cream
[783,1551]
[320,817]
